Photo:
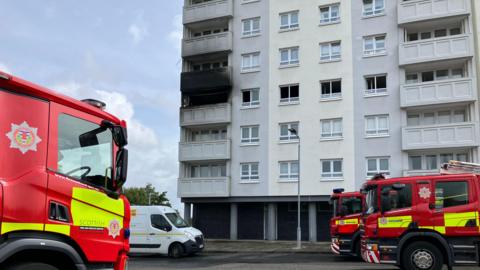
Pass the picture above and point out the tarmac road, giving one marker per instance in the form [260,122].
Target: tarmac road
[247,261]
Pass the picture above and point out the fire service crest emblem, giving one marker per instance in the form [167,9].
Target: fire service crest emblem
[23,137]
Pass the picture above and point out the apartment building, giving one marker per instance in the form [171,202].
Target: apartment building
[371,86]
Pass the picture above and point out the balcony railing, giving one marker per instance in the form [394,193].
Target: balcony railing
[207,11]
[213,150]
[206,81]
[422,10]
[203,187]
[444,48]
[209,114]
[221,42]
[438,92]
[440,136]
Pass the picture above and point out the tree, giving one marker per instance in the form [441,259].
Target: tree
[140,196]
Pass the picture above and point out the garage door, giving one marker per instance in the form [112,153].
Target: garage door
[212,219]
[250,221]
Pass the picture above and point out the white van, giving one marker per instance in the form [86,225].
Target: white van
[161,230]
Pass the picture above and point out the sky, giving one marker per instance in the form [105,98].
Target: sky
[125,53]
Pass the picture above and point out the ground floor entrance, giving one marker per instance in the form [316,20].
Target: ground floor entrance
[260,220]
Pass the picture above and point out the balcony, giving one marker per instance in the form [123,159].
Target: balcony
[221,42]
[440,136]
[209,114]
[203,187]
[207,11]
[214,150]
[445,48]
[206,81]
[422,10]
[438,92]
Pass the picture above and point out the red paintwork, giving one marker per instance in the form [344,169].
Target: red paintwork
[28,182]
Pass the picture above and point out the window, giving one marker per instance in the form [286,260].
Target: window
[289,56]
[331,128]
[332,169]
[431,162]
[250,62]
[440,33]
[377,125]
[434,75]
[289,170]
[376,85]
[378,165]
[450,194]
[437,118]
[373,7]
[250,97]
[331,89]
[289,93]
[84,151]
[208,170]
[250,135]
[394,199]
[330,51]
[159,222]
[209,135]
[177,220]
[251,27]
[289,20]
[330,14]
[437,33]
[249,171]
[285,134]
[374,45]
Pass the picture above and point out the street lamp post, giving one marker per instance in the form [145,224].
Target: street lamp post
[150,198]
[299,229]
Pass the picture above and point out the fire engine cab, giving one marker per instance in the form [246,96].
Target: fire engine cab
[344,225]
[62,167]
[424,222]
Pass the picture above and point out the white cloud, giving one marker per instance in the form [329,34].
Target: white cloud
[151,159]
[138,29]
[176,34]
[4,68]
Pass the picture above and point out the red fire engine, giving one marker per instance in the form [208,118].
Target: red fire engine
[62,167]
[424,222]
[344,226]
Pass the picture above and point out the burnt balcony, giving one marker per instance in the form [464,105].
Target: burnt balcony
[206,81]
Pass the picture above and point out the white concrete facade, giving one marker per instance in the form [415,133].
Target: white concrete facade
[409,97]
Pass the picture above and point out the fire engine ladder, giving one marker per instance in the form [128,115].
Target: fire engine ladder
[460,167]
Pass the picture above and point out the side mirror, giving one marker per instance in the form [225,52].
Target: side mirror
[121,168]
[120,136]
[167,228]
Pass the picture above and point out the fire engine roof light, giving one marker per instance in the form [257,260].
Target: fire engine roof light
[338,190]
[95,103]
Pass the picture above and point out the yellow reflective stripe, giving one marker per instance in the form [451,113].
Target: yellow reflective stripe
[99,199]
[352,221]
[90,216]
[394,222]
[440,229]
[58,228]
[13,226]
[459,219]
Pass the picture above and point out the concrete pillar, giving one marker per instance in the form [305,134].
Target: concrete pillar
[187,213]
[312,221]
[272,222]
[233,221]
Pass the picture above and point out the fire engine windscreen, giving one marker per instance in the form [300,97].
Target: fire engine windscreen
[349,206]
[85,151]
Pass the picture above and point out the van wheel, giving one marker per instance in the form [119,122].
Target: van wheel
[176,250]
[422,256]
[31,266]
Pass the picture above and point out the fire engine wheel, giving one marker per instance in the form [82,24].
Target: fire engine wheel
[422,256]
[176,250]
[31,266]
